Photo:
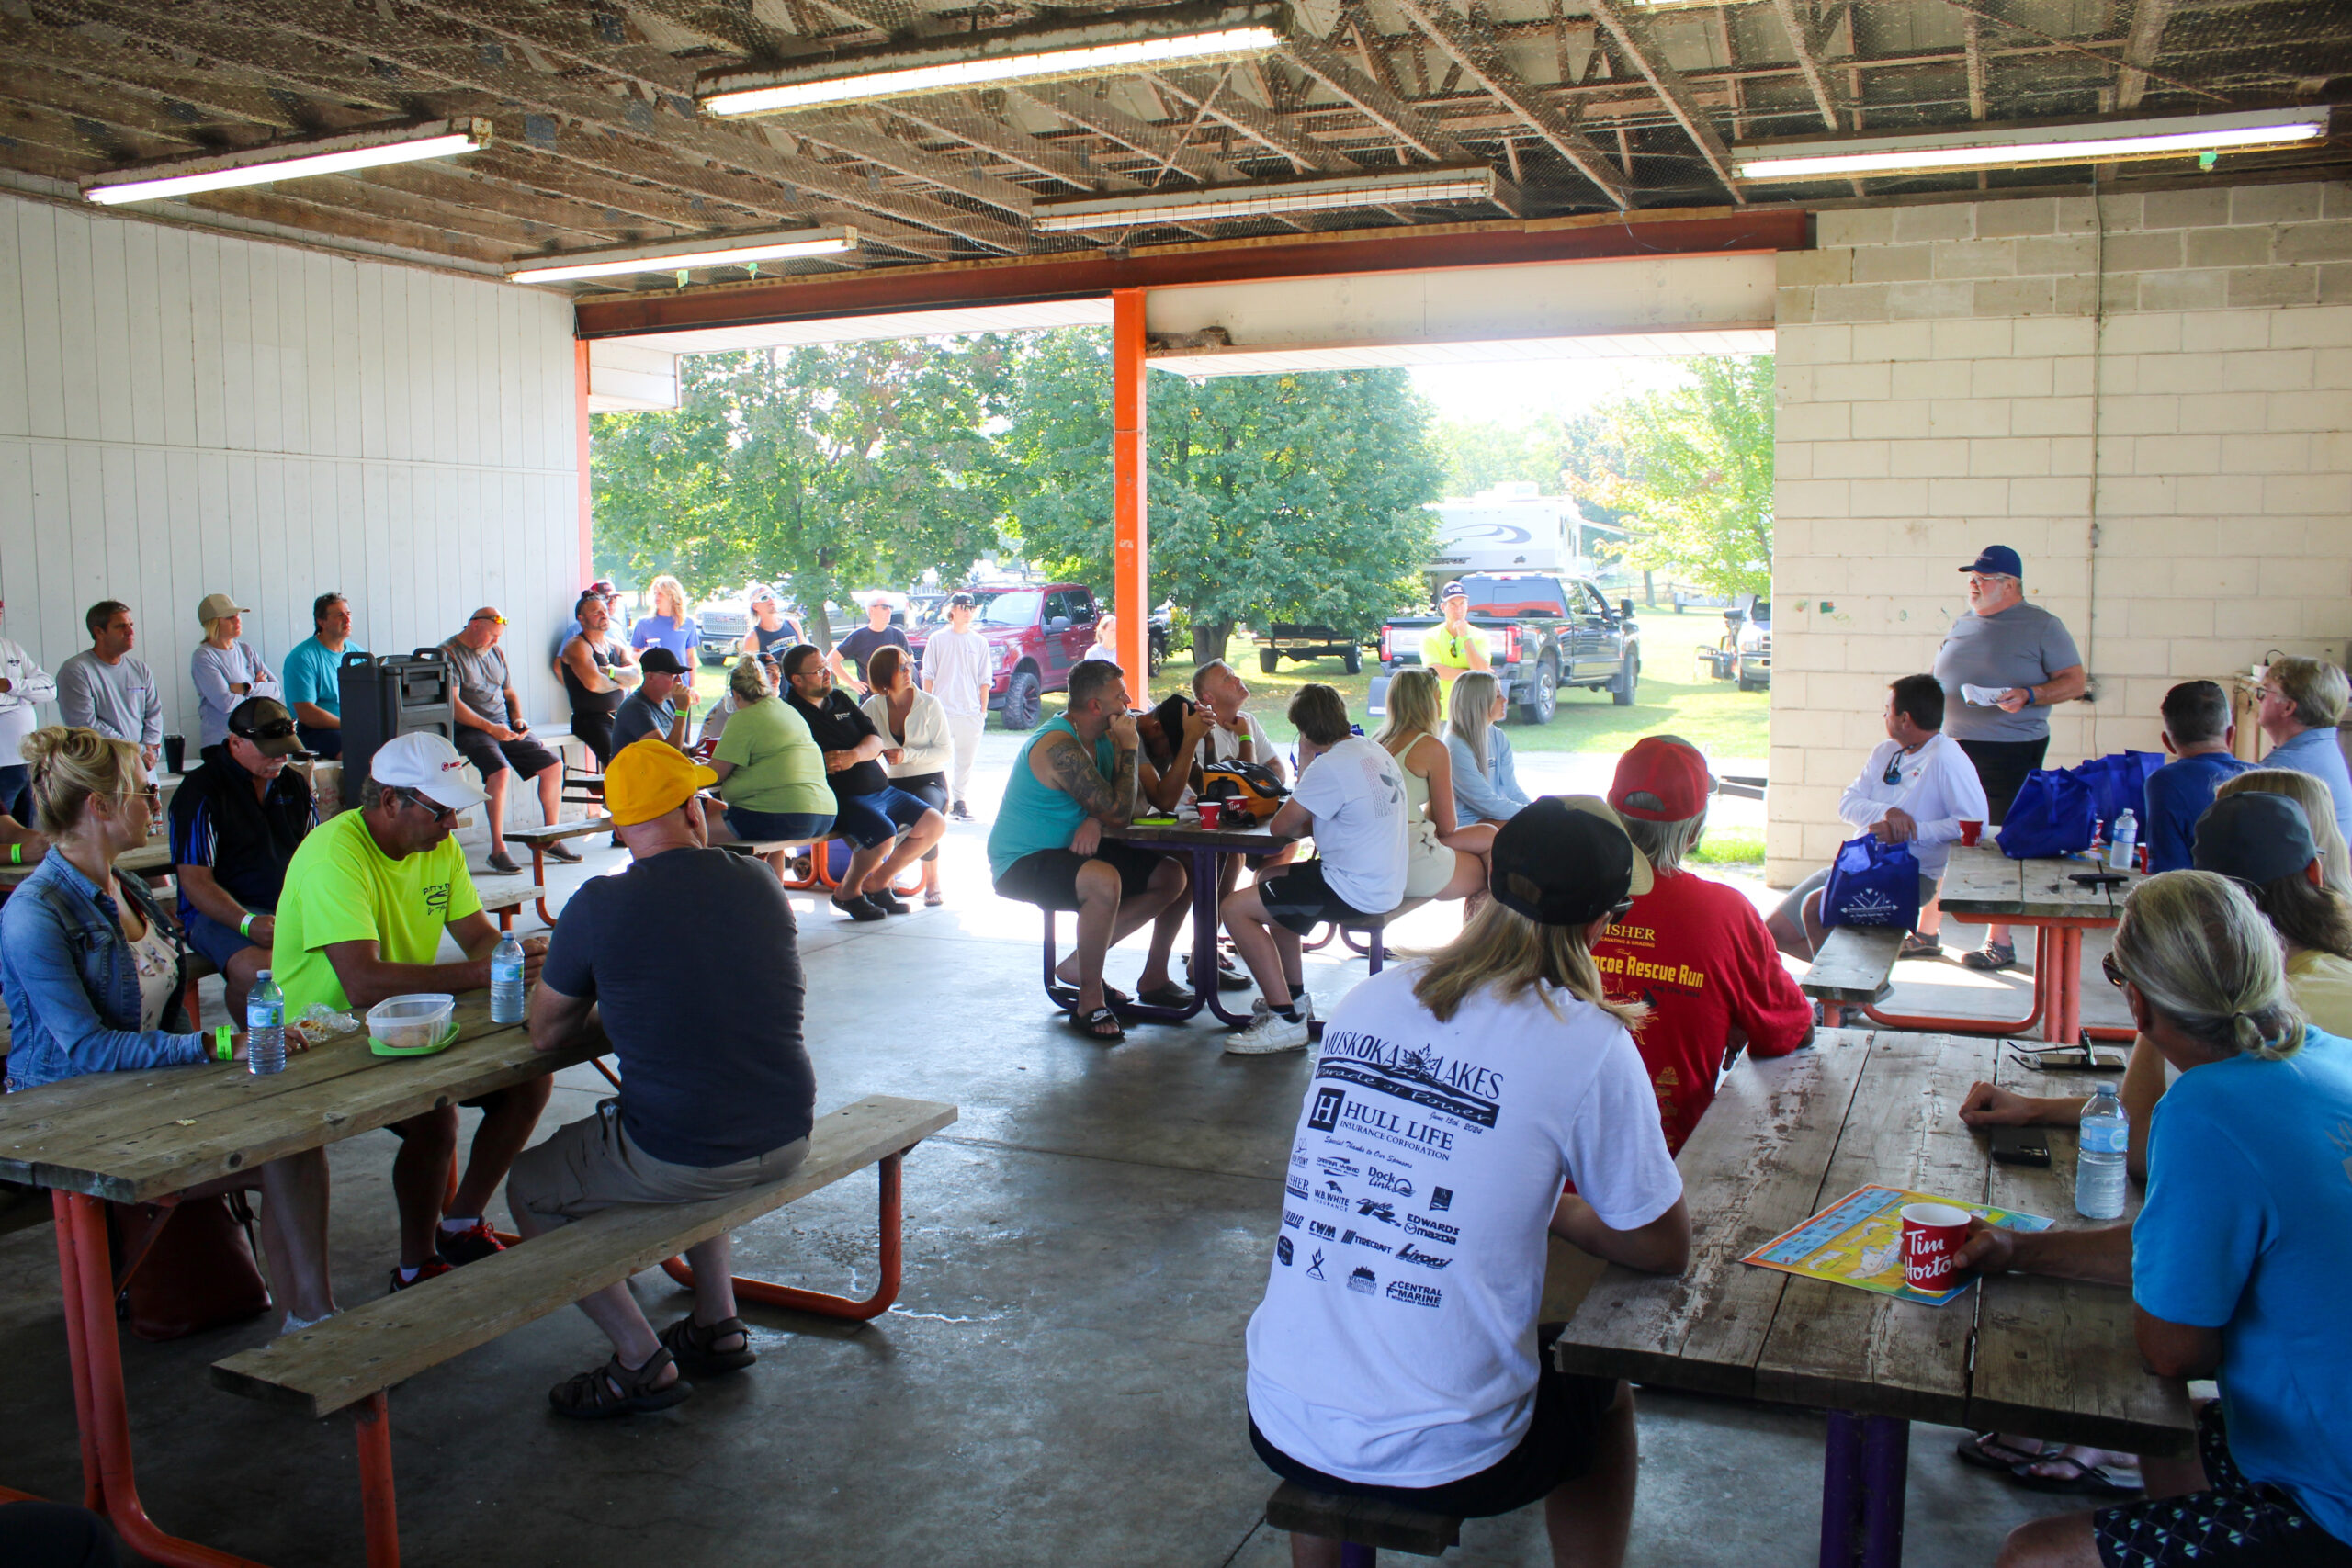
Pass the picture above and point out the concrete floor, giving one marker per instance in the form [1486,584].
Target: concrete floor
[1061,1382]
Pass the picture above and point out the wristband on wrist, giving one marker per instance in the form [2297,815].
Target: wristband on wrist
[2029,696]
[224,1043]
[16,855]
[245,926]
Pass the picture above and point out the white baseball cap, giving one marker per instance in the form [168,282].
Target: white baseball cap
[428,764]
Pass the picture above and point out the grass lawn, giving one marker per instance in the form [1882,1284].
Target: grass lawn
[1672,699]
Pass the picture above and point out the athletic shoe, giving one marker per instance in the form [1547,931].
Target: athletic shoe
[431,1268]
[1270,1034]
[1301,1003]
[473,1244]
[962,812]
[890,903]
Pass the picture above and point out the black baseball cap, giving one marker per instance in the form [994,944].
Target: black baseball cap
[660,662]
[1451,590]
[1566,861]
[966,599]
[1998,560]
[2255,837]
[265,723]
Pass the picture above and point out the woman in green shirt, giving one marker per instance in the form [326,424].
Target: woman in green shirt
[771,772]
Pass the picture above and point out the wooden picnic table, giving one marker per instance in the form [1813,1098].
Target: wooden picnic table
[1784,1140]
[1201,847]
[145,1136]
[1981,883]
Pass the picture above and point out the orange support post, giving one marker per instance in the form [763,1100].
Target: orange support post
[886,1290]
[580,394]
[377,1507]
[1131,534]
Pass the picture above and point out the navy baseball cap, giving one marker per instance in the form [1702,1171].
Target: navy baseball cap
[1998,560]
[964,600]
[1451,590]
[2255,837]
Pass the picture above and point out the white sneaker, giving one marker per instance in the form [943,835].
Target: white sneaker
[1301,1003]
[1270,1034]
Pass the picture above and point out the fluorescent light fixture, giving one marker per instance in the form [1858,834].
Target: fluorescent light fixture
[287,161]
[682,255]
[1985,148]
[1435,182]
[1152,40]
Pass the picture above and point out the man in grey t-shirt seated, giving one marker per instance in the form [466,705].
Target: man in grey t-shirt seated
[492,735]
[717,1092]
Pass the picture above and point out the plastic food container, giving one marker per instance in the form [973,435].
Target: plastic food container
[414,1025]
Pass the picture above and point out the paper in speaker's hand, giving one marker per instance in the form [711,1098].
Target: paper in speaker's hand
[1982,696]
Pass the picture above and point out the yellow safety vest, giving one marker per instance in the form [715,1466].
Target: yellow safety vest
[1442,649]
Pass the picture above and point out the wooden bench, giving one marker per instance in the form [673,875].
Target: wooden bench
[1364,1524]
[503,897]
[1851,968]
[353,1358]
[539,838]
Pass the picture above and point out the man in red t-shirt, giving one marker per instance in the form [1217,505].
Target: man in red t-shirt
[1695,950]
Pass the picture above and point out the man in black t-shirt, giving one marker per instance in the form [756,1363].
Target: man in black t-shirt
[868,810]
[718,1093]
[861,646]
[236,822]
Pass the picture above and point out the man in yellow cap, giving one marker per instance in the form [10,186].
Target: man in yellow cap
[717,1095]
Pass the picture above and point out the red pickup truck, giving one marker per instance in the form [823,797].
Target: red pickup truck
[1035,635]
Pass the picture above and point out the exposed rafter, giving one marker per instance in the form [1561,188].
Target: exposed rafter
[1640,46]
[2148,19]
[1307,154]
[1471,43]
[1816,80]
[1385,108]
[1078,106]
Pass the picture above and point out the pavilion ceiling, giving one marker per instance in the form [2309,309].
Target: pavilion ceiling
[1585,106]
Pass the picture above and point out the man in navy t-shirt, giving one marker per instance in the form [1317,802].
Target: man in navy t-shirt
[2198,732]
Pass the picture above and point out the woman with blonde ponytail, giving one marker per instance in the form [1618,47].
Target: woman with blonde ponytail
[96,978]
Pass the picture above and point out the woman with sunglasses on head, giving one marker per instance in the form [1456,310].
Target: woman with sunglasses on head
[95,982]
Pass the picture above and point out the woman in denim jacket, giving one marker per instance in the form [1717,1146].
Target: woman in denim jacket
[94,979]
[1485,775]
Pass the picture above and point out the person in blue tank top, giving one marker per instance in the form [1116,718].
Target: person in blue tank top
[2236,1263]
[1076,776]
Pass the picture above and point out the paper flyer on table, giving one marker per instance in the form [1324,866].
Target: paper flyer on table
[1857,1240]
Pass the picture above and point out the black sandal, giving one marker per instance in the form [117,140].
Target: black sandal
[613,1390]
[693,1347]
[1092,1025]
[1169,996]
[1066,997]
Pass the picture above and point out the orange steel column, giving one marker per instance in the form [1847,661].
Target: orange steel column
[580,394]
[1131,549]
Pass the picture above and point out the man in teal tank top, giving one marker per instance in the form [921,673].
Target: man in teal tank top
[1075,776]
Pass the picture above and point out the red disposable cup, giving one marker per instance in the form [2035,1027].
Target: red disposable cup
[1210,811]
[1931,1234]
[1969,832]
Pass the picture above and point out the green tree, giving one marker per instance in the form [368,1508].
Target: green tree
[1695,476]
[1482,453]
[1272,498]
[821,469]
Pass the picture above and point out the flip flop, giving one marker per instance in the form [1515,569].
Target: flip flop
[1091,1026]
[1066,997]
[2087,1480]
[1986,1451]
[1169,996]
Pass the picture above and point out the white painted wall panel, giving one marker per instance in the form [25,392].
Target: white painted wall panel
[183,413]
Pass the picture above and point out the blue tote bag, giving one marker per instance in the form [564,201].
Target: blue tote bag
[2053,814]
[1871,884]
[2119,783]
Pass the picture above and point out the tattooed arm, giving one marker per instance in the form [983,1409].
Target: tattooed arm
[1062,763]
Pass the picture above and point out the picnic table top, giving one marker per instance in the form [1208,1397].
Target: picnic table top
[1252,839]
[1981,881]
[135,1136]
[155,855]
[550,832]
[1787,1138]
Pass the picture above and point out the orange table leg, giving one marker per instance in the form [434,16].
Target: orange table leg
[69,1276]
[2044,962]
[874,1305]
[89,1289]
[540,876]
[372,1419]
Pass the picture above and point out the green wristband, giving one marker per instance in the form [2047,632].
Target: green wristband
[245,926]
[16,855]
[224,1043]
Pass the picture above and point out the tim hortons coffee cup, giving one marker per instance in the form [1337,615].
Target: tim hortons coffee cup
[1211,811]
[1931,1234]
[1970,831]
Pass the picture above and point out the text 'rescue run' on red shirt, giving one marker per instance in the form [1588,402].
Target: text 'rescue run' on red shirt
[1697,953]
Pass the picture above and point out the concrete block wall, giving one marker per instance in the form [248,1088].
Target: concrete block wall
[2150,400]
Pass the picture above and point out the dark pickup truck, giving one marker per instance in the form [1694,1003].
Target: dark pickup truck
[1542,633]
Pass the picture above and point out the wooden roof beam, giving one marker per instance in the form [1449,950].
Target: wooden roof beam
[1640,46]
[950,116]
[1474,47]
[2147,36]
[1082,107]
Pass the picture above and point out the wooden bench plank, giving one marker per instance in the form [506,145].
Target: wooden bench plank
[1751,1167]
[1841,1348]
[498,892]
[1853,964]
[2057,1358]
[552,832]
[1367,1521]
[369,1349]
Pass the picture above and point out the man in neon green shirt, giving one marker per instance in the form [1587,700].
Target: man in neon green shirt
[366,900]
[1456,646]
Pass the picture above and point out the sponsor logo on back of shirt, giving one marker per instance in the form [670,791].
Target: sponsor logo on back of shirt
[1364,1280]
[1456,1087]
[1441,1199]
[1357,1238]
[1389,1181]
[1294,1186]
[1434,1230]
[1325,1114]
[1283,1250]
[1314,1265]
[1318,1228]
[1409,1253]
[1376,1208]
[1332,1165]
[1293,1218]
[1415,1293]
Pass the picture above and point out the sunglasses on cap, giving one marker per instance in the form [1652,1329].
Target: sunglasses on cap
[2113,970]
[486,616]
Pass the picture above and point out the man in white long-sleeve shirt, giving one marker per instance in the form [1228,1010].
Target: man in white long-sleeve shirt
[958,668]
[23,682]
[1918,788]
[105,688]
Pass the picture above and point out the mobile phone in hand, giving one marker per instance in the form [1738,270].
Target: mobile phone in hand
[2021,1146]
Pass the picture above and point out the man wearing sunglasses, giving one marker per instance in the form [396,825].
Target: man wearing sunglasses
[236,822]
[366,900]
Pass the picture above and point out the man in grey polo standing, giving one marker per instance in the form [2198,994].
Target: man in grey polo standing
[958,667]
[2003,666]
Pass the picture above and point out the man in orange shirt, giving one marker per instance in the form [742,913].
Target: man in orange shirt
[1694,950]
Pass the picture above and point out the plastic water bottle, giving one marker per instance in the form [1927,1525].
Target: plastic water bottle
[265,1026]
[507,981]
[2098,1172]
[2123,851]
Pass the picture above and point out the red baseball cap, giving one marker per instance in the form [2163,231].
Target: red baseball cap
[1673,770]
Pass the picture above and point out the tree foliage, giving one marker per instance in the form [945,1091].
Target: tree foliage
[1575,456]
[1272,498]
[1694,475]
[820,469]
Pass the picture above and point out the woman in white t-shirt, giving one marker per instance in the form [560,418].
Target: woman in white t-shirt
[1395,1354]
[1449,858]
